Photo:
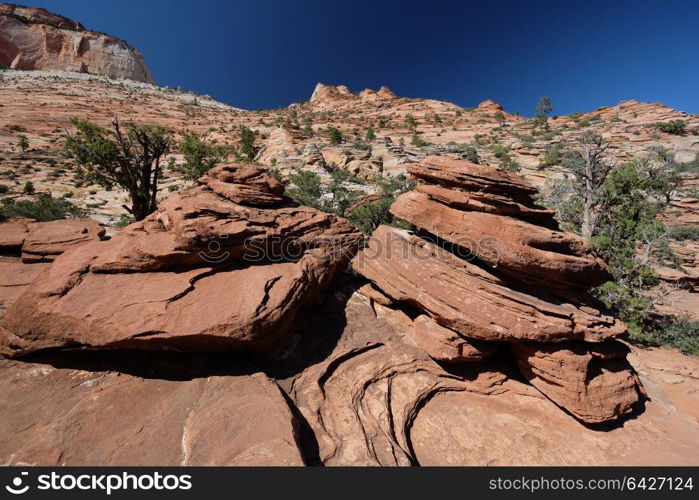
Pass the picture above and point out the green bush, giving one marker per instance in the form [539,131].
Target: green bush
[551,157]
[28,188]
[335,135]
[246,143]
[418,141]
[44,208]
[681,332]
[307,189]
[676,127]
[199,155]
[370,134]
[685,232]
[4,189]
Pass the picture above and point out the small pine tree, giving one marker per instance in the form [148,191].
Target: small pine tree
[23,143]
[335,135]
[542,112]
[370,134]
[28,188]
[247,143]
[410,123]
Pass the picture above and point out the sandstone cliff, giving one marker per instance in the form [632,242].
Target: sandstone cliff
[35,39]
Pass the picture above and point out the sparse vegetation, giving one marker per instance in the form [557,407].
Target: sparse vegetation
[246,143]
[542,112]
[43,208]
[335,135]
[23,142]
[551,157]
[127,158]
[615,206]
[200,155]
[677,127]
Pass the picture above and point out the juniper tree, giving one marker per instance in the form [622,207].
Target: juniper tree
[128,157]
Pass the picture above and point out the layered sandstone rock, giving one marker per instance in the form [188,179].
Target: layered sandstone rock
[35,39]
[488,265]
[590,380]
[201,273]
[148,410]
[372,396]
[509,238]
[469,299]
[44,241]
[328,96]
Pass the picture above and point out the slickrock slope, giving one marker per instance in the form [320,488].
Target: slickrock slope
[139,410]
[35,39]
[490,277]
[371,396]
[44,241]
[202,273]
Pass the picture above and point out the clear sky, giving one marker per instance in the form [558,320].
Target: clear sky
[268,53]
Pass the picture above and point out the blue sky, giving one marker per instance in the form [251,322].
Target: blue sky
[269,53]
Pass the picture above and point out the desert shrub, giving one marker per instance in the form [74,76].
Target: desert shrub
[23,142]
[199,154]
[307,188]
[681,332]
[471,154]
[370,134]
[4,188]
[368,216]
[28,188]
[677,127]
[410,123]
[685,232]
[335,135]
[551,157]
[246,143]
[418,141]
[43,208]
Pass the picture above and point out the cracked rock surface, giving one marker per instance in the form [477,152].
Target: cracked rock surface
[202,273]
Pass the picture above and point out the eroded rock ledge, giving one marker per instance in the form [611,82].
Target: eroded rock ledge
[203,273]
[492,267]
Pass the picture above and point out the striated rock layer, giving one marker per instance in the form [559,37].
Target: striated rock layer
[141,412]
[35,39]
[489,266]
[201,273]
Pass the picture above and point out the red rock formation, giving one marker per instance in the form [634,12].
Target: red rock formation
[327,96]
[517,282]
[590,380]
[86,416]
[44,241]
[201,273]
[35,39]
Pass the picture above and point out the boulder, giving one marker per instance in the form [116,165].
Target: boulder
[468,299]
[47,240]
[594,382]
[15,277]
[487,265]
[491,214]
[202,273]
[12,234]
[244,185]
[44,241]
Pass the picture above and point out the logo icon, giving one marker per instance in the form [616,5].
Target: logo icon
[16,487]
[214,254]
